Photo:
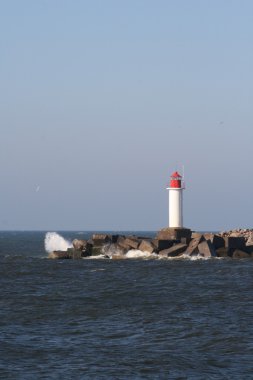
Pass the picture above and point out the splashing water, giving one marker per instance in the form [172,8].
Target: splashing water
[55,242]
[136,254]
[185,256]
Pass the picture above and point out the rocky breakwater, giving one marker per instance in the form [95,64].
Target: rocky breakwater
[107,246]
[238,243]
[168,243]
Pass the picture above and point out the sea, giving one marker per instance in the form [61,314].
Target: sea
[139,318]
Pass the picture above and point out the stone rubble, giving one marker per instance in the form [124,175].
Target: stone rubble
[246,233]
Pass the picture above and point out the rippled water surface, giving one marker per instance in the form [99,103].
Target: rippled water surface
[131,319]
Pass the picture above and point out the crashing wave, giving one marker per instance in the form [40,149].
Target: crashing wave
[55,242]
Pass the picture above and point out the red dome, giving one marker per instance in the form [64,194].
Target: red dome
[176,175]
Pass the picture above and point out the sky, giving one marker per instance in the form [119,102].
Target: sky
[100,101]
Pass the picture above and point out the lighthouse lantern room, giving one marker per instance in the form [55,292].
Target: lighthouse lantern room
[176,188]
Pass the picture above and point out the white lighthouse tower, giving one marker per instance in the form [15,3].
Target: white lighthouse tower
[176,188]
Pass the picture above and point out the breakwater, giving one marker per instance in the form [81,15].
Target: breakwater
[168,243]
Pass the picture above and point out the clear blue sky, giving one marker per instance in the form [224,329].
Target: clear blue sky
[101,100]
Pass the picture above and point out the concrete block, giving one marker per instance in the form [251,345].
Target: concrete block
[196,235]
[114,249]
[165,244]
[146,246]
[174,233]
[185,240]
[127,243]
[216,240]
[176,250]
[132,242]
[248,249]
[118,256]
[115,238]
[250,240]
[96,250]
[193,245]
[206,248]
[234,242]
[59,255]
[101,239]
[79,244]
[87,251]
[76,255]
[238,254]
[155,243]
[223,252]
[236,234]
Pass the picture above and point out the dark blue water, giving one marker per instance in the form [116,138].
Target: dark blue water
[131,319]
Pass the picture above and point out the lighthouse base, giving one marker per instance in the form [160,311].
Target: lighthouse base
[174,233]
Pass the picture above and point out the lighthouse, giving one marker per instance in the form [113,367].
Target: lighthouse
[176,188]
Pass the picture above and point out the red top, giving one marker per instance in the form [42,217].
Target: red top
[175,180]
[176,174]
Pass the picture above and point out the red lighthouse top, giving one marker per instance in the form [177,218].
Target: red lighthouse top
[175,180]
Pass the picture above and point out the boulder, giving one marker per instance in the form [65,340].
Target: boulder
[193,245]
[176,250]
[146,246]
[238,254]
[206,248]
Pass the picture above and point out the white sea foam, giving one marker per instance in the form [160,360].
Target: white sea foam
[95,257]
[136,254]
[198,257]
[187,257]
[55,242]
[117,254]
